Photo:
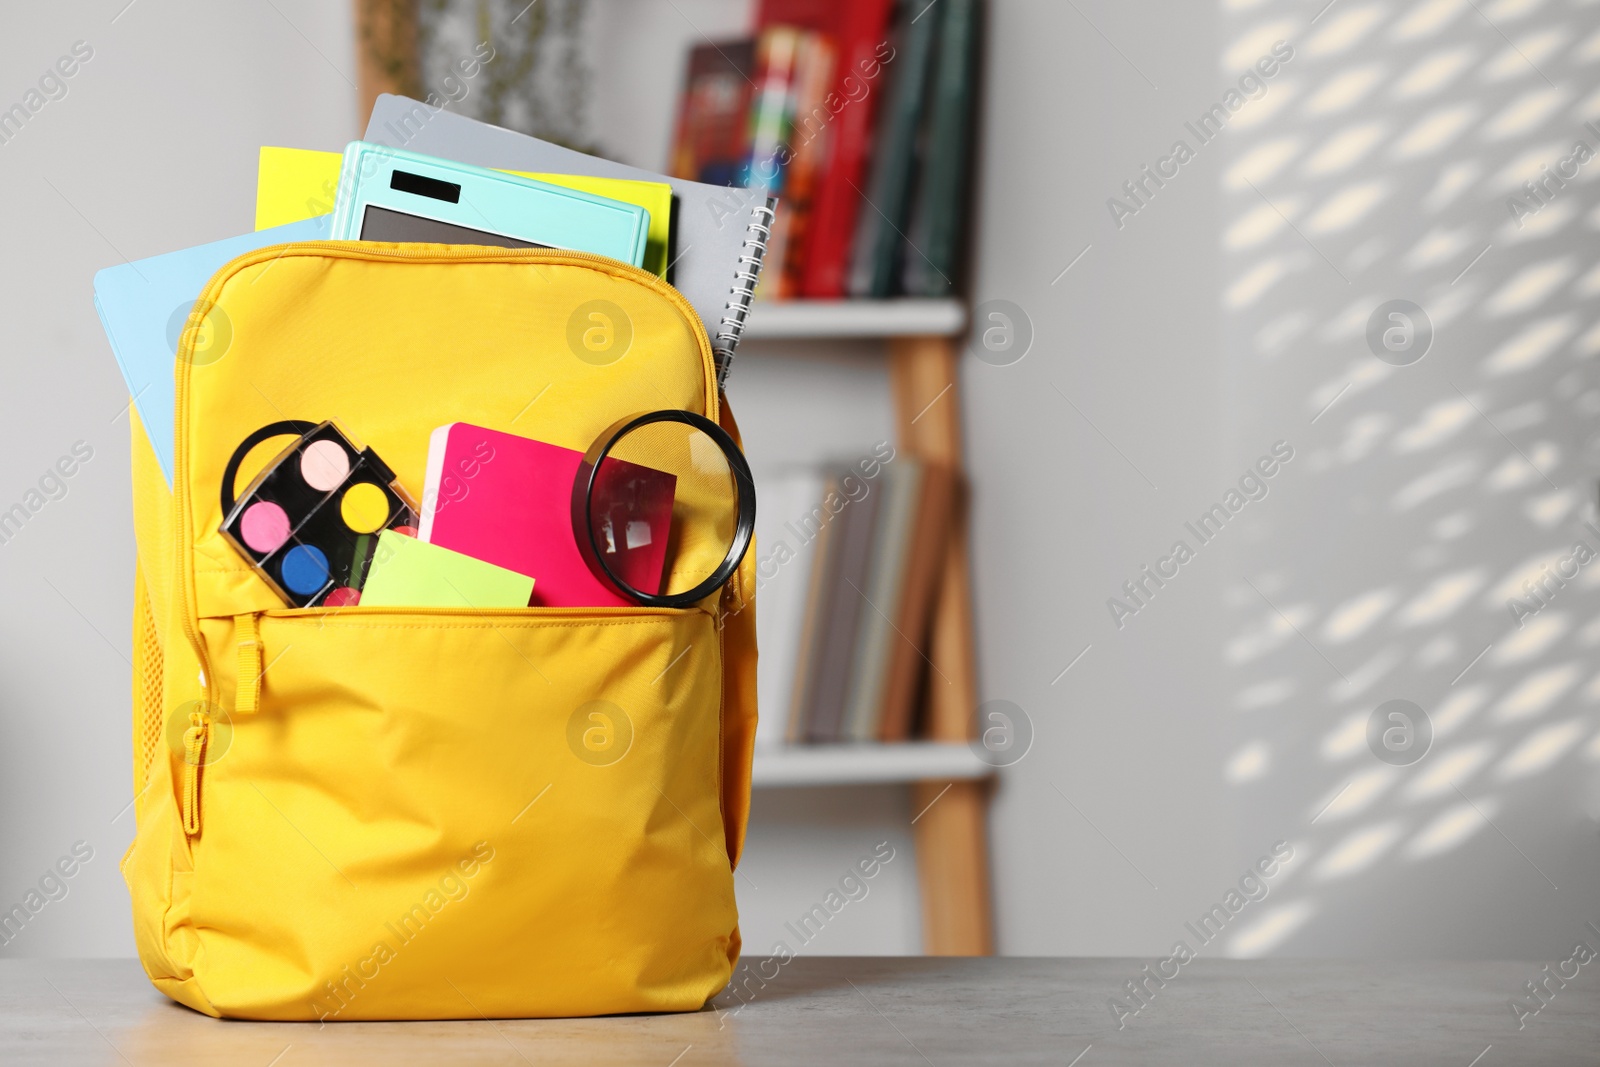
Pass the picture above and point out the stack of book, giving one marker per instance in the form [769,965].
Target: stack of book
[848,568]
[858,114]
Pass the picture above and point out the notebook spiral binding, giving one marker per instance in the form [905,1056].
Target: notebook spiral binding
[744,287]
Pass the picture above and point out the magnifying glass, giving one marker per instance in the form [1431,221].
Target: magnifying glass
[663,507]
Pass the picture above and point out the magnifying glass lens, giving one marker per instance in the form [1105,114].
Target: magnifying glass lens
[664,508]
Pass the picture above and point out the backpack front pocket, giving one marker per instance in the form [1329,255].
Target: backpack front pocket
[438,813]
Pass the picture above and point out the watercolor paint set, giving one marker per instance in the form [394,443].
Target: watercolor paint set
[309,522]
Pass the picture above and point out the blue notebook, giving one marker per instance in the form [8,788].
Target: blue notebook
[144,305]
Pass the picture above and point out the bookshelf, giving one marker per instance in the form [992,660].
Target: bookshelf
[949,783]
[824,319]
[912,761]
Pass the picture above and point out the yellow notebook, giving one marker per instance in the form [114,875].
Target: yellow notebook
[298,183]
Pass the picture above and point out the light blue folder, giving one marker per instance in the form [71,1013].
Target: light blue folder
[143,307]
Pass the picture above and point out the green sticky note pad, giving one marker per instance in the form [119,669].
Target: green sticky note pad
[413,574]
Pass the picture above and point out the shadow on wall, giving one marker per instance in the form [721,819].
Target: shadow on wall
[1410,210]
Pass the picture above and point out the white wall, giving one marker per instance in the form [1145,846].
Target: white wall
[1426,494]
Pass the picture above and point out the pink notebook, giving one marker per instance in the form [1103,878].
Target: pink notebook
[507,500]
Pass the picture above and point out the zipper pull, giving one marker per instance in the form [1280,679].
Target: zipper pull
[194,748]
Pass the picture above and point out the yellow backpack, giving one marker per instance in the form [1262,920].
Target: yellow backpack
[384,813]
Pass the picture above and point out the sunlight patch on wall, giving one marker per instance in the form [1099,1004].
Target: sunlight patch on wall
[1257,166]
[1438,245]
[1346,739]
[1529,110]
[1356,682]
[1358,851]
[1530,347]
[1539,750]
[1256,42]
[1451,829]
[1529,287]
[1589,343]
[1273,338]
[1344,90]
[1588,286]
[1271,929]
[1433,132]
[1283,94]
[1457,708]
[1248,764]
[1357,615]
[1265,694]
[1442,770]
[1437,424]
[1434,73]
[1271,633]
[1535,637]
[1453,180]
[1356,796]
[1452,526]
[1511,10]
[1442,598]
[1513,583]
[1526,166]
[1548,509]
[1550,220]
[1514,60]
[1345,29]
[1361,436]
[1535,693]
[1260,223]
[1347,207]
[1589,50]
[1427,19]
[1441,649]
[1451,474]
[1344,149]
[1521,469]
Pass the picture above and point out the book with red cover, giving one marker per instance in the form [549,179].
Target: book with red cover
[795,72]
[859,30]
[712,141]
[809,135]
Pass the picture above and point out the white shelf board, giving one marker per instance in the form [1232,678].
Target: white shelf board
[865,764]
[855,318]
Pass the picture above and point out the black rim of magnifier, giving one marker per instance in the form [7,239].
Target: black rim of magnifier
[286,428]
[583,495]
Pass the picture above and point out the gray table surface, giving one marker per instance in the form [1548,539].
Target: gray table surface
[874,1011]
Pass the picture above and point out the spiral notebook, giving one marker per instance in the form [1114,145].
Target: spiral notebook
[719,233]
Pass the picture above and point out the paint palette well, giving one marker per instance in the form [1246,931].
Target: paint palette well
[310,521]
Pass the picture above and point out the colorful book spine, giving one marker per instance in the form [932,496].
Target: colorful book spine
[847,604]
[901,486]
[866,59]
[778,53]
[820,525]
[712,140]
[878,239]
[809,136]
[935,232]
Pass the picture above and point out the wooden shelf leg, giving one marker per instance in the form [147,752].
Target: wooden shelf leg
[952,840]
[387,60]
[951,828]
